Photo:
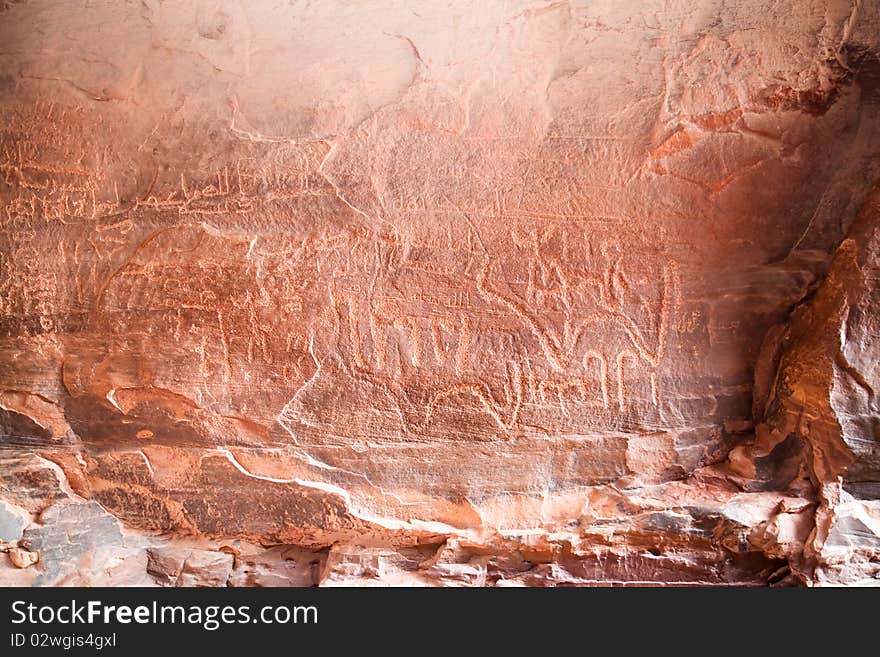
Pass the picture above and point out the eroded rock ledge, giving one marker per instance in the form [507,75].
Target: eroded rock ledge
[478,294]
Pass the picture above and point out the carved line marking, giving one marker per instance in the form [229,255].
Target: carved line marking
[464,344]
[558,348]
[621,383]
[378,336]
[593,355]
[415,337]
[419,330]
[354,338]
[484,395]
[437,343]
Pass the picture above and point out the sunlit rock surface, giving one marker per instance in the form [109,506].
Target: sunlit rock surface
[471,293]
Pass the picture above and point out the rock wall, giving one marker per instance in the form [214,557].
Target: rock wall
[414,293]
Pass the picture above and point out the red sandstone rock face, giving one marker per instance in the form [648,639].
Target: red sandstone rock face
[502,293]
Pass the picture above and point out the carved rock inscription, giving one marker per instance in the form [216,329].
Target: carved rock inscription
[456,293]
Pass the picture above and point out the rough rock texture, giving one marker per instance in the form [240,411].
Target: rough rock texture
[415,293]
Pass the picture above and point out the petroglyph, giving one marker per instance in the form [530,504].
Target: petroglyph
[589,333]
[424,292]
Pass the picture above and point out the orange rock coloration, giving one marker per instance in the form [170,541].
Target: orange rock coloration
[484,293]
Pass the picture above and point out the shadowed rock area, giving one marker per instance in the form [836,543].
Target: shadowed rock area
[495,293]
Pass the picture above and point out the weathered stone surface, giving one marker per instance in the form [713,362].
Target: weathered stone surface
[205,568]
[495,293]
[13,520]
[277,566]
[820,427]
[21,558]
